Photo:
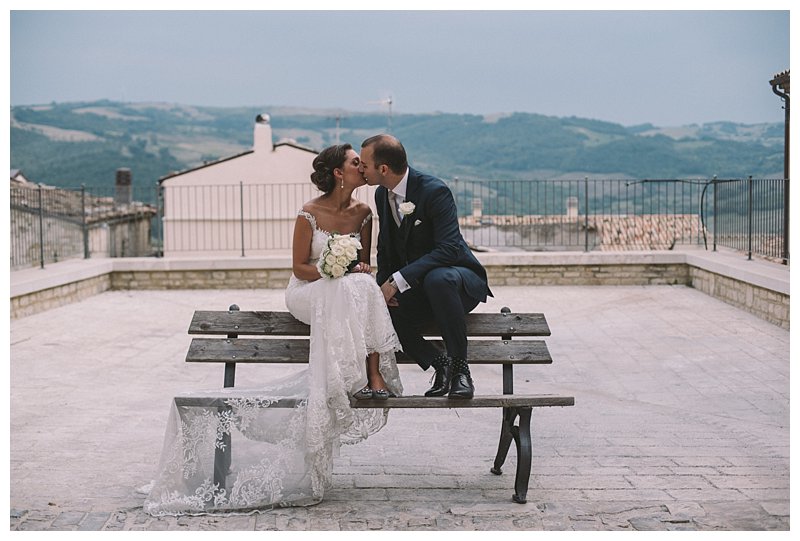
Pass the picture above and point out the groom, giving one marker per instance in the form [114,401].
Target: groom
[425,269]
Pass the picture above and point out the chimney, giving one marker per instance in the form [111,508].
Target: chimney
[477,207]
[122,195]
[262,134]
[572,207]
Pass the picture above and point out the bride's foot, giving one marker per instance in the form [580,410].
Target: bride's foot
[375,379]
[364,394]
[378,386]
[383,394]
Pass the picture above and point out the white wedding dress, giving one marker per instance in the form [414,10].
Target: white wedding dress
[283,456]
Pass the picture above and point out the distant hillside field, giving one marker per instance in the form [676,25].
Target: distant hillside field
[85,143]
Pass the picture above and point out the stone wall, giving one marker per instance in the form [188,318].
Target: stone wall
[201,279]
[764,303]
[762,291]
[588,275]
[45,299]
[499,275]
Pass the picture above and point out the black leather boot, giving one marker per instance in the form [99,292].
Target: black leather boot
[441,379]
[461,385]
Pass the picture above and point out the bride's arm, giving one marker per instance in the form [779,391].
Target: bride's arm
[366,242]
[301,251]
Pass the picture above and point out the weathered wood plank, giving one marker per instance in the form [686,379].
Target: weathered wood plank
[409,402]
[255,323]
[219,402]
[295,350]
[488,401]
[222,322]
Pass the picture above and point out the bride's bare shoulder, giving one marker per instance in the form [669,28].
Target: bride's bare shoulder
[362,209]
[313,206]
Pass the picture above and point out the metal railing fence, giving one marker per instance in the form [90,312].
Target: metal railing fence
[50,224]
[233,219]
[751,216]
[748,215]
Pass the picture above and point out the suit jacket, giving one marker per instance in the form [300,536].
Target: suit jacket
[427,238]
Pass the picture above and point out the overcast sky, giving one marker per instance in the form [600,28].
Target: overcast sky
[668,68]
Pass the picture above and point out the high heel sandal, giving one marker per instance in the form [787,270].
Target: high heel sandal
[383,394]
[364,394]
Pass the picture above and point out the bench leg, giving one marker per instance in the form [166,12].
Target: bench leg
[222,458]
[524,451]
[506,435]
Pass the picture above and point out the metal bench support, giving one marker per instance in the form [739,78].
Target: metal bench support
[222,457]
[521,434]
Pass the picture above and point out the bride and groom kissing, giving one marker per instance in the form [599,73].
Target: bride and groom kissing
[283,456]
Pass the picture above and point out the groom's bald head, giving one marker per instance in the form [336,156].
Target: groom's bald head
[387,150]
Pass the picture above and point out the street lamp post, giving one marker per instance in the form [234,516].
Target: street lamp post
[780,86]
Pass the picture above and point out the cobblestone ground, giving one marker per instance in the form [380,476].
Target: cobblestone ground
[681,421]
[423,515]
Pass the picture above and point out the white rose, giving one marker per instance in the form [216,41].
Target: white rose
[330,259]
[342,260]
[337,271]
[350,252]
[407,208]
[337,250]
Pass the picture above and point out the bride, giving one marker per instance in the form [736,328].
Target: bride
[283,456]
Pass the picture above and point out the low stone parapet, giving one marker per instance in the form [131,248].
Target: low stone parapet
[759,287]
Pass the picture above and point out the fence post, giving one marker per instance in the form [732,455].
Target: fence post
[160,218]
[241,211]
[586,214]
[786,214]
[750,217]
[715,212]
[84,224]
[41,228]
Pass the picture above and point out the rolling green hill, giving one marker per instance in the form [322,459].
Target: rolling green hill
[70,144]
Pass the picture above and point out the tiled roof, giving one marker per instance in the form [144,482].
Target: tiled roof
[613,231]
[68,204]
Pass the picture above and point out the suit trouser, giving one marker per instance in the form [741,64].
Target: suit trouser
[443,299]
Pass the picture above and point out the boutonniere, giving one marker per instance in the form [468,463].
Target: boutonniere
[407,208]
[417,222]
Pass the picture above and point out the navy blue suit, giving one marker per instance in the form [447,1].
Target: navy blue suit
[447,281]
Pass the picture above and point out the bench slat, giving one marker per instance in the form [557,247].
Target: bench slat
[489,401]
[219,402]
[284,324]
[408,402]
[295,350]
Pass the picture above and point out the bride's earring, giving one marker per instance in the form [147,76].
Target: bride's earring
[342,183]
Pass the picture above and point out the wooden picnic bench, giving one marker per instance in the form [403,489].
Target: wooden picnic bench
[288,343]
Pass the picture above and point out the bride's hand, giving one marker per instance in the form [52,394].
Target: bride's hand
[362,267]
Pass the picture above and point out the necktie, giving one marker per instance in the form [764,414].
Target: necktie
[393,205]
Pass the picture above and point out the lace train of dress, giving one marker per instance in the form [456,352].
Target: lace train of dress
[284,435]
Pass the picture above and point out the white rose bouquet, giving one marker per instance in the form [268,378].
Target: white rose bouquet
[339,257]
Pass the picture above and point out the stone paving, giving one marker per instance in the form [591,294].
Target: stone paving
[681,421]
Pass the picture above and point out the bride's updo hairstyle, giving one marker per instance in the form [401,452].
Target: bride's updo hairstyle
[326,161]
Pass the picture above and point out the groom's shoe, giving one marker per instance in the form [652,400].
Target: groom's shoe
[461,385]
[441,379]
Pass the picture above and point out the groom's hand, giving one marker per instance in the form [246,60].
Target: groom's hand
[389,289]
